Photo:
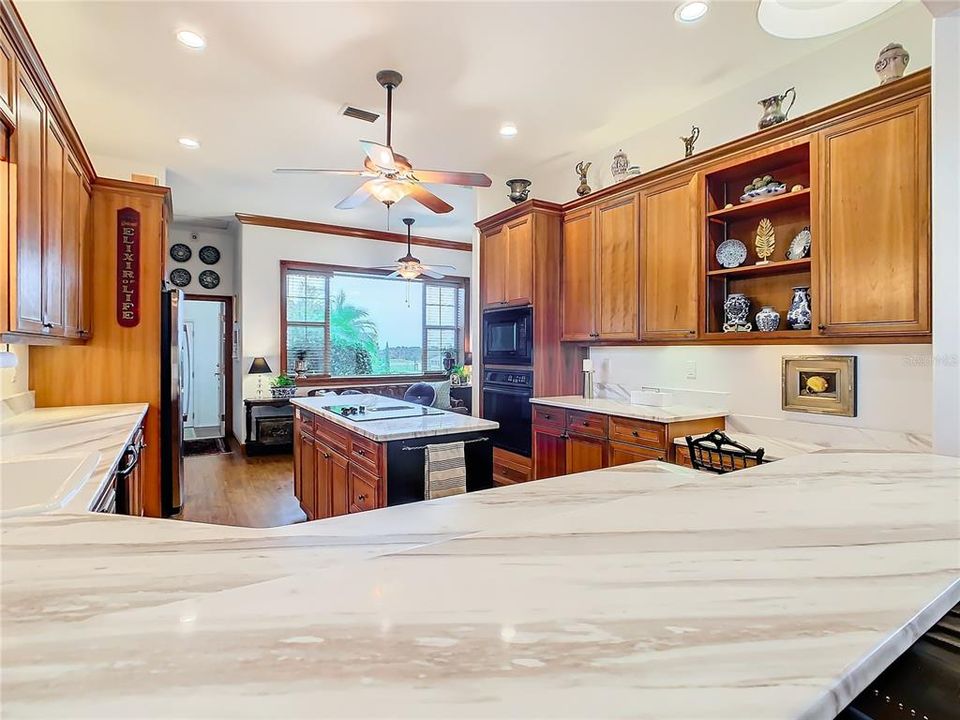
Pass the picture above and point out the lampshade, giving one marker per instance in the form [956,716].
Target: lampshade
[468,358]
[259,366]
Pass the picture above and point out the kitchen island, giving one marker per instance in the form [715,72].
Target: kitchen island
[353,453]
[644,590]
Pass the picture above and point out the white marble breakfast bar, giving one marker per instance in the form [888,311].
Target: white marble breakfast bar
[643,590]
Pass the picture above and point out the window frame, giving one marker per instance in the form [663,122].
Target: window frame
[458,281]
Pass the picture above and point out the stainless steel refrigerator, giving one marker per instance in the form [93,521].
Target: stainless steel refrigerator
[171,394]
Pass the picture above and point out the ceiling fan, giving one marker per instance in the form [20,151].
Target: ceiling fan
[409,267]
[391,176]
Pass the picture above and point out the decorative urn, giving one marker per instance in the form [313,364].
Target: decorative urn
[736,308]
[773,112]
[768,319]
[891,63]
[519,189]
[619,166]
[799,314]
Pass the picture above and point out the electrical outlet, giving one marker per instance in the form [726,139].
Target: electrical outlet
[691,369]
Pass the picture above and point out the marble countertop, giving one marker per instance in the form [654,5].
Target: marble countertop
[443,423]
[106,429]
[774,448]
[777,592]
[668,414]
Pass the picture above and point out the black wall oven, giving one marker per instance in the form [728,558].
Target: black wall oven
[506,400]
[508,336]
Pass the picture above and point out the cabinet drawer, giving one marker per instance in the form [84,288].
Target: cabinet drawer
[683,456]
[584,423]
[640,432]
[623,454]
[366,452]
[333,435]
[363,490]
[549,416]
[509,469]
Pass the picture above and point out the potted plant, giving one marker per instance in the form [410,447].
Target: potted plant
[283,386]
[459,375]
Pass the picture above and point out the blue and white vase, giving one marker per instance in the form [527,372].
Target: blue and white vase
[736,308]
[799,314]
[768,319]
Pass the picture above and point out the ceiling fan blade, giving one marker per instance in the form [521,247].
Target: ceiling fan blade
[385,267]
[439,267]
[394,274]
[443,177]
[358,197]
[380,155]
[428,199]
[430,273]
[319,171]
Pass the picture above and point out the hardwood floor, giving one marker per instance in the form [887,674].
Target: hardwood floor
[229,489]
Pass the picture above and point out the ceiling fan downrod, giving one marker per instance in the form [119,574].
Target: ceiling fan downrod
[389,79]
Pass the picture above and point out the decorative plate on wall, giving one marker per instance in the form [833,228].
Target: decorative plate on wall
[209,255]
[180,252]
[180,277]
[209,279]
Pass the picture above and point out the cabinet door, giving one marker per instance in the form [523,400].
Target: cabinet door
[549,453]
[363,489]
[518,283]
[578,281]
[323,474]
[71,248]
[622,454]
[875,223]
[339,485]
[493,258]
[585,453]
[8,74]
[670,260]
[85,289]
[308,476]
[55,157]
[297,433]
[28,146]
[618,230]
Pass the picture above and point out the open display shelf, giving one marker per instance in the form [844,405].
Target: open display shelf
[769,283]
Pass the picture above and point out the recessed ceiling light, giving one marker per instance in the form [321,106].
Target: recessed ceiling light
[191,39]
[508,129]
[795,20]
[691,11]
[189,143]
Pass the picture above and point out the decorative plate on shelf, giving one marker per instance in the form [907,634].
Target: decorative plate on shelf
[764,192]
[800,245]
[180,252]
[209,255]
[180,277]
[731,253]
[209,279]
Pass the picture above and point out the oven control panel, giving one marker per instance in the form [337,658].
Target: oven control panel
[517,378]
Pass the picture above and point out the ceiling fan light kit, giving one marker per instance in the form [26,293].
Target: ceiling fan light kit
[392,176]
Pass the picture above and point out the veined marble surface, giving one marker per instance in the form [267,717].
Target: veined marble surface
[643,590]
[830,435]
[774,448]
[443,423]
[80,430]
[605,406]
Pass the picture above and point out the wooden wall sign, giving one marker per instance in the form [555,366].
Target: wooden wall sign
[128,267]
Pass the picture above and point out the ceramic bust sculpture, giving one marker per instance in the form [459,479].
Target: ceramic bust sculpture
[892,63]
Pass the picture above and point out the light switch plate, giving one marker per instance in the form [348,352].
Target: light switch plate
[691,369]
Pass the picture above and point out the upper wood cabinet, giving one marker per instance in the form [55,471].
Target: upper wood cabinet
[875,223]
[670,259]
[600,276]
[507,264]
[8,79]
[53,260]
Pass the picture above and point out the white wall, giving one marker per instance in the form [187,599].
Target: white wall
[110,166]
[261,250]
[195,237]
[946,234]
[895,383]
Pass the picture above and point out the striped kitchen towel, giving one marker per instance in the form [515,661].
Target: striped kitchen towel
[444,471]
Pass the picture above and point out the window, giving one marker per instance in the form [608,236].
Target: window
[344,323]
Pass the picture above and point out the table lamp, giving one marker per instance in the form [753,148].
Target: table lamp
[259,367]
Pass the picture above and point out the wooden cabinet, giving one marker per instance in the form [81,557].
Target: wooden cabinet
[670,252]
[52,246]
[363,489]
[599,286]
[307,470]
[339,484]
[549,452]
[875,223]
[585,452]
[507,264]
[510,468]
[683,456]
[8,78]
[624,454]
[76,253]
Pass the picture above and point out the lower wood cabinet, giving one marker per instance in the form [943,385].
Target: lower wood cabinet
[510,468]
[307,470]
[573,441]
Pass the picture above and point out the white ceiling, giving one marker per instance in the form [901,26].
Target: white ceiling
[266,90]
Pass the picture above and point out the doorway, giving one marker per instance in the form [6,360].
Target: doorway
[207,357]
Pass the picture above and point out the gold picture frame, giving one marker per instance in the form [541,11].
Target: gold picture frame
[820,384]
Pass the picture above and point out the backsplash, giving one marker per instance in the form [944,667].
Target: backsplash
[894,387]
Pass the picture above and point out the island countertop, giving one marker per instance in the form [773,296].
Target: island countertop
[442,423]
[605,406]
[777,592]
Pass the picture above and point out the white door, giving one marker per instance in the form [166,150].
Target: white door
[205,335]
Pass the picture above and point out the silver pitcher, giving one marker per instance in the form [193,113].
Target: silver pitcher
[773,112]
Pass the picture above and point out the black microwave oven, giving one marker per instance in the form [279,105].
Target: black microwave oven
[508,336]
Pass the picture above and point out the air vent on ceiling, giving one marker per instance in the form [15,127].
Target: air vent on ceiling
[365,115]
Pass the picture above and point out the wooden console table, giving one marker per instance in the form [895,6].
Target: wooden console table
[281,430]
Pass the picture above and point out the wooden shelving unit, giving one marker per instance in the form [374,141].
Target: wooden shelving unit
[769,283]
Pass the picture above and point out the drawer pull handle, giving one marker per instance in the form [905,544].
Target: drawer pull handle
[361,497]
[546,416]
[586,423]
[360,451]
[636,434]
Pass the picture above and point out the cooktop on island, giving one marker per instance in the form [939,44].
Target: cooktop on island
[366,413]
